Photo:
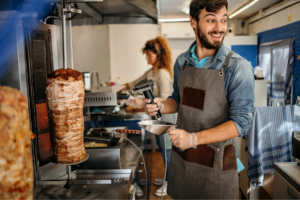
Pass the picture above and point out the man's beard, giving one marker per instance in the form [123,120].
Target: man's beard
[205,42]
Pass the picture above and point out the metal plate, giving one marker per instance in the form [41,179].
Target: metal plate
[156,127]
[69,163]
[98,184]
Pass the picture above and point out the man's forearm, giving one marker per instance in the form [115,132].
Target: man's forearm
[170,106]
[220,133]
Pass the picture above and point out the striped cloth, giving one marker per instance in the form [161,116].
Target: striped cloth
[269,140]
[289,75]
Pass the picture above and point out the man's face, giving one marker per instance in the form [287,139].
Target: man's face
[211,28]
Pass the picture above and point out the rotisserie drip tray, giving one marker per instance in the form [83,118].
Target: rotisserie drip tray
[89,189]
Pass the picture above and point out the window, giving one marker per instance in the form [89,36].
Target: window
[276,59]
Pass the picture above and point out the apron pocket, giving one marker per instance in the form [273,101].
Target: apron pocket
[229,158]
[203,155]
[194,98]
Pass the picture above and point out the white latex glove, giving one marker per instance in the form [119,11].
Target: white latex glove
[182,139]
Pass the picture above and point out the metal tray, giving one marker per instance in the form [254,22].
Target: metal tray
[105,157]
[121,180]
[100,137]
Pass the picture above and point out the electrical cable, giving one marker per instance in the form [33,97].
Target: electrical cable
[44,189]
[166,158]
[143,161]
[68,19]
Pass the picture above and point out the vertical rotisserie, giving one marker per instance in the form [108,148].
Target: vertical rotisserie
[65,95]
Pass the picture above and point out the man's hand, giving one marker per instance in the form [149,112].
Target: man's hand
[151,109]
[182,139]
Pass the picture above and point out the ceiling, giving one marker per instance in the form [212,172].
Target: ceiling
[173,8]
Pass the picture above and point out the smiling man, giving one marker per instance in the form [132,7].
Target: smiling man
[214,97]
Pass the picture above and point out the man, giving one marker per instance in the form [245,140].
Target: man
[214,97]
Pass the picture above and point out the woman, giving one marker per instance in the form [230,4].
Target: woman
[158,54]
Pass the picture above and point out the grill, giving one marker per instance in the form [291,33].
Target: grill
[104,96]
[39,55]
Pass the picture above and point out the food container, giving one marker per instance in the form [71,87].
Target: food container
[88,80]
[99,137]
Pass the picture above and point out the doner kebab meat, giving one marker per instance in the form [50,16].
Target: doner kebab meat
[65,95]
[16,170]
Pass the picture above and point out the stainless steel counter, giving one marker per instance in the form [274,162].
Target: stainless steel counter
[121,188]
[121,115]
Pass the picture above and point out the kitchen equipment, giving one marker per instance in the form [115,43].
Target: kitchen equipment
[296,145]
[126,131]
[103,157]
[88,80]
[286,183]
[146,86]
[103,96]
[91,190]
[99,136]
[108,129]
[157,127]
[37,55]
[123,95]
[259,73]
[70,180]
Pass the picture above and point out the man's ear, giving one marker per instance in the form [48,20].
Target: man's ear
[193,22]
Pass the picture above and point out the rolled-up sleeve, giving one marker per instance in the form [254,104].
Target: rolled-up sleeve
[175,95]
[240,96]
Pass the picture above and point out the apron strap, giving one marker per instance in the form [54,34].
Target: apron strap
[225,64]
[184,65]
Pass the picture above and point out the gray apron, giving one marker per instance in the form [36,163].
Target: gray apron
[209,171]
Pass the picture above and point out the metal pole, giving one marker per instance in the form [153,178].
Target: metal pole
[158,13]
[64,17]
[69,171]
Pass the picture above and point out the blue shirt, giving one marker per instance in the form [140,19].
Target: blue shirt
[201,63]
[238,83]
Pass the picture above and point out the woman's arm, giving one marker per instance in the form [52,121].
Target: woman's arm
[133,83]
[164,82]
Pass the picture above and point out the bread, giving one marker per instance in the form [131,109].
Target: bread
[16,168]
[65,96]
[94,144]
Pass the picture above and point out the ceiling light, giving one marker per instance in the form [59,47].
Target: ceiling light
[187,10]
[175,20]
[242,9]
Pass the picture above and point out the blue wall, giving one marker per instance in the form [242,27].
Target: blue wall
[284,32]
[247,51]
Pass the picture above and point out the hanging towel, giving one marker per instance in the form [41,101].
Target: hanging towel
[269,140]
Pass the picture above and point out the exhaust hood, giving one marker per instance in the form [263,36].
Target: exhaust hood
[117,12]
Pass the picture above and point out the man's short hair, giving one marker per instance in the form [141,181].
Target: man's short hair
[210,5]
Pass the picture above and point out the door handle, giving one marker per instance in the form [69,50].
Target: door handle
[293,196]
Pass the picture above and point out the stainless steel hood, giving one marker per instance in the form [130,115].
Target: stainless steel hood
[117,12]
